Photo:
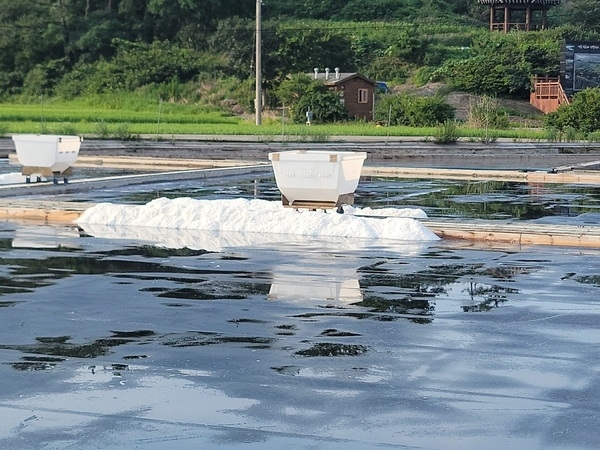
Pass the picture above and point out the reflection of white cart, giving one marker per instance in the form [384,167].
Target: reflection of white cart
[46,236]
[317,179]
[296,286]
[47,155]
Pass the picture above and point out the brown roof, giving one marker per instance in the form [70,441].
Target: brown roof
[520,2]
[337,77]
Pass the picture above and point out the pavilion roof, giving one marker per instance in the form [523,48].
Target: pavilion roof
[520,2]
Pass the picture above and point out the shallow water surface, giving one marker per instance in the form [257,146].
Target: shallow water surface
[155,338]
[113,343]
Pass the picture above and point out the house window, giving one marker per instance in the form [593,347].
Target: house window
[363,96]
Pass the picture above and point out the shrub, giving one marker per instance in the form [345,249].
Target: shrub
[122,132]
[422,76]
[446,133]
[583,114]
[412,110]
[326,107]
[42,78]
[101,130]
[552,134]
[485,114]
[591,137]
[386,68]
[502,63]
[488,136]
[301,93]
[67,129]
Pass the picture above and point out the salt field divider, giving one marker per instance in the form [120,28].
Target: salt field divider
[86,184]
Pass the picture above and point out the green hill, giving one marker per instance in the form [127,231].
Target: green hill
[202,52]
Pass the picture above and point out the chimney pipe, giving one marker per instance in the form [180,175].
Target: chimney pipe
[337,73]
[316,69]
[327,73]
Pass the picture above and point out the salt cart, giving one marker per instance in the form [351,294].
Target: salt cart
[317,179]
[47,155]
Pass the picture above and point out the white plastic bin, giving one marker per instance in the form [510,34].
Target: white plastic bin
[317,177]
[53,153]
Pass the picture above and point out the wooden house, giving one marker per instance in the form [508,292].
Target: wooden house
[357,91]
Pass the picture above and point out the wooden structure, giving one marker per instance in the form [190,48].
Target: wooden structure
[548,94]
[524,15]
[518,234]
[356,90]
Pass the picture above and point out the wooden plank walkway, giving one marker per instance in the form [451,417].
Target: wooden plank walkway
[150,163]
[575,176]
[518,233]
[41,211]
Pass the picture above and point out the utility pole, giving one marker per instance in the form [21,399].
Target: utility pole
[258,97]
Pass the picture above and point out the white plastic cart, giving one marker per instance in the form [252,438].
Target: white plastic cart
[317,179]
[47,155]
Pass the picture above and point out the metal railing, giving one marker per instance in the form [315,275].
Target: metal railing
[514,26]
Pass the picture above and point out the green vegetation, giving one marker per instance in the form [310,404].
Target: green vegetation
[447,133]
[486,114]
[127,68]
[582,115]
[413,111]
[76,117]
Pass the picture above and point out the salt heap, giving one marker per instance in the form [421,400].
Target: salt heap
[258,217]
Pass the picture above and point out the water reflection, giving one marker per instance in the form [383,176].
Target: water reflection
[46,236]
[484,297]
[481,199]
[419,293]
[98,347]
[35,363]
[299,287]
[380,290]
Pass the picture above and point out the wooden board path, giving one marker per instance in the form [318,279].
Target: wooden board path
[518,233]
[41,211]
[575,176]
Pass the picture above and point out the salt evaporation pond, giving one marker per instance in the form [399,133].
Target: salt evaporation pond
[141,329]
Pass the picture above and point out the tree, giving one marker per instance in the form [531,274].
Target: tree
[34,32]
[300,50]
[301,93]
[500,64]
[583,13]
[583,114]
[234,38]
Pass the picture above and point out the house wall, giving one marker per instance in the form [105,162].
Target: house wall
[356,110]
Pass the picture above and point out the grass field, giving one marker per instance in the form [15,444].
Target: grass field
[122,118]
